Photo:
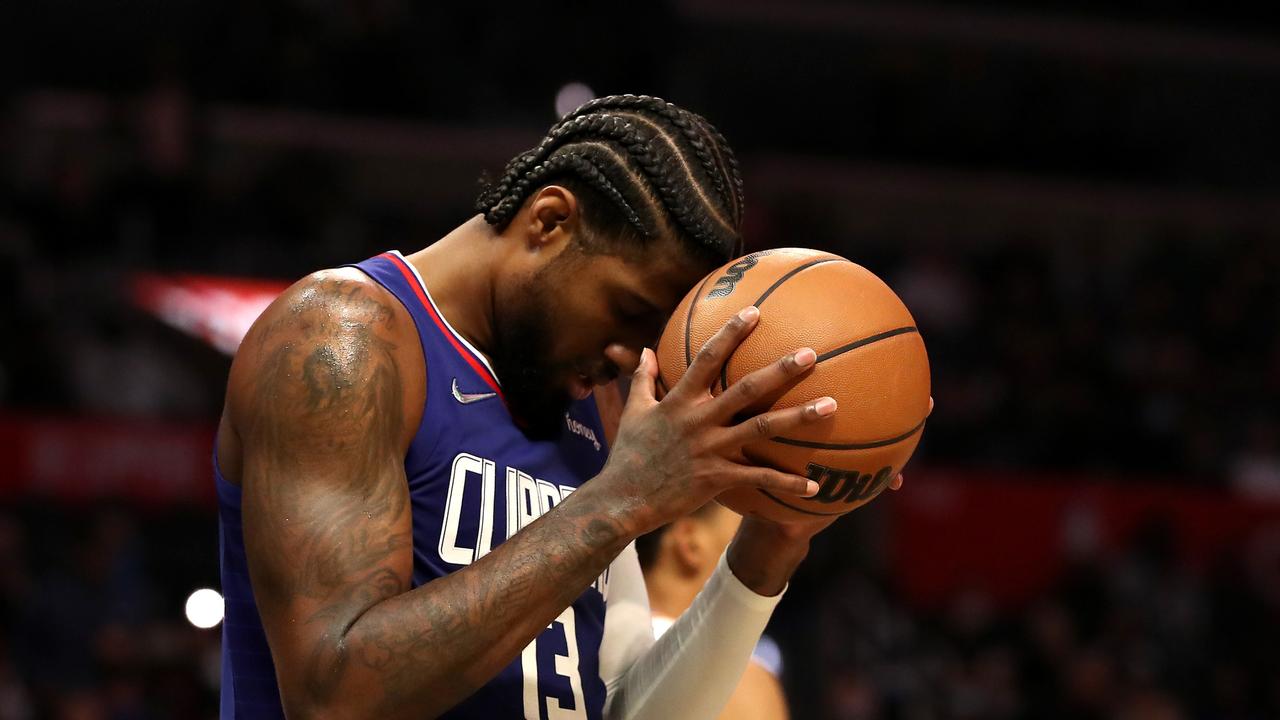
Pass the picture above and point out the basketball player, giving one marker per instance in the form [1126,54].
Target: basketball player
[677,560]
[417,519]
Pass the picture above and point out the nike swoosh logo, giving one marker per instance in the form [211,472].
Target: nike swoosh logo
[468,398]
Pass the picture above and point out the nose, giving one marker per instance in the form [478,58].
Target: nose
[625,358]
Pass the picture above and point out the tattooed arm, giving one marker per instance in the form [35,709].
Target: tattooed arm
[324,397]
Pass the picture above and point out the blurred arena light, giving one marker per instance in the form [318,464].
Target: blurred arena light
[571,96]
[218,310]
[204,608]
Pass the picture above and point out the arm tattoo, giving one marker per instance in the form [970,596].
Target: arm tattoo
[464,627]
[327,524]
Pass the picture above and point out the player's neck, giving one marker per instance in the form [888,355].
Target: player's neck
[458,272]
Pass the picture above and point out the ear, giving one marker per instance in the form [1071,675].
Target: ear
[688,545]
[551,219]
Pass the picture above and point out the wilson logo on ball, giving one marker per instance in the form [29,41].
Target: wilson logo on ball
[732,274]
[849,486]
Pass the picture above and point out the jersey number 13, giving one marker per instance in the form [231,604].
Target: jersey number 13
[547,684]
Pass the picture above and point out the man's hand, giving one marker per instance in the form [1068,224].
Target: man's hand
[764,554]
[673,456]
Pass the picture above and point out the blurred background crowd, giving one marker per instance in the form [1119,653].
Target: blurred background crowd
[1079,202]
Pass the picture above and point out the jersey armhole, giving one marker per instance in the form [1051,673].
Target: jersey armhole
[426,365]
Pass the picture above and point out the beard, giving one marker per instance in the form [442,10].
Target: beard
[531,382]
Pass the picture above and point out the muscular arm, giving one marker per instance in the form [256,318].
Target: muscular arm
[757,697]
[317,400]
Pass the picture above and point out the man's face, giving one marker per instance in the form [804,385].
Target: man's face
[553,327]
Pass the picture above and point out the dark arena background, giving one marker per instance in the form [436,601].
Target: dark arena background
[1080,202]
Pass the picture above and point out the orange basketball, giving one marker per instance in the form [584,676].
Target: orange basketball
[871,359]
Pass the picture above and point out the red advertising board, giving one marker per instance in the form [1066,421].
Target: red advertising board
[75,460]
[1012,534]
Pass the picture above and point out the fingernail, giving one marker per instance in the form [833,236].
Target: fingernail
[805,357]
[749,313]
[811,489]
[825,406]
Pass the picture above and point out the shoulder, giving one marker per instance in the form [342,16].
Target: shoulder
[331,300]
[333,334]
[342,311]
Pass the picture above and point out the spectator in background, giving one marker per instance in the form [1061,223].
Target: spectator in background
[677,560]
[86,631]
[1256,470]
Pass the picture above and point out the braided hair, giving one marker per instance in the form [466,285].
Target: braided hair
[645,169]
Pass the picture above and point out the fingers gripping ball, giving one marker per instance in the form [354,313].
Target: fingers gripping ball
[871,359]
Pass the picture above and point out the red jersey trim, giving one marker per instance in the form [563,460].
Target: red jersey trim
[427,305]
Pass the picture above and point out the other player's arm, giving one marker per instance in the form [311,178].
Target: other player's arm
[317,400]
[758,696]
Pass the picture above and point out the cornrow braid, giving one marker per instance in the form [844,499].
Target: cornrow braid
[684,121]
[695,131]
[581,165]
[727,164]
[676,116]
[659,168]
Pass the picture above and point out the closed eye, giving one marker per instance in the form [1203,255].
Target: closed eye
[637,314]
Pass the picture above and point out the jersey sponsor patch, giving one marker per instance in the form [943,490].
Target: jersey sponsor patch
[582,430]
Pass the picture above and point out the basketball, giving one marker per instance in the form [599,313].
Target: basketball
[871,359]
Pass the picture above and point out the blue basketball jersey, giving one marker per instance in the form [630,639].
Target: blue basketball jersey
[474,480]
